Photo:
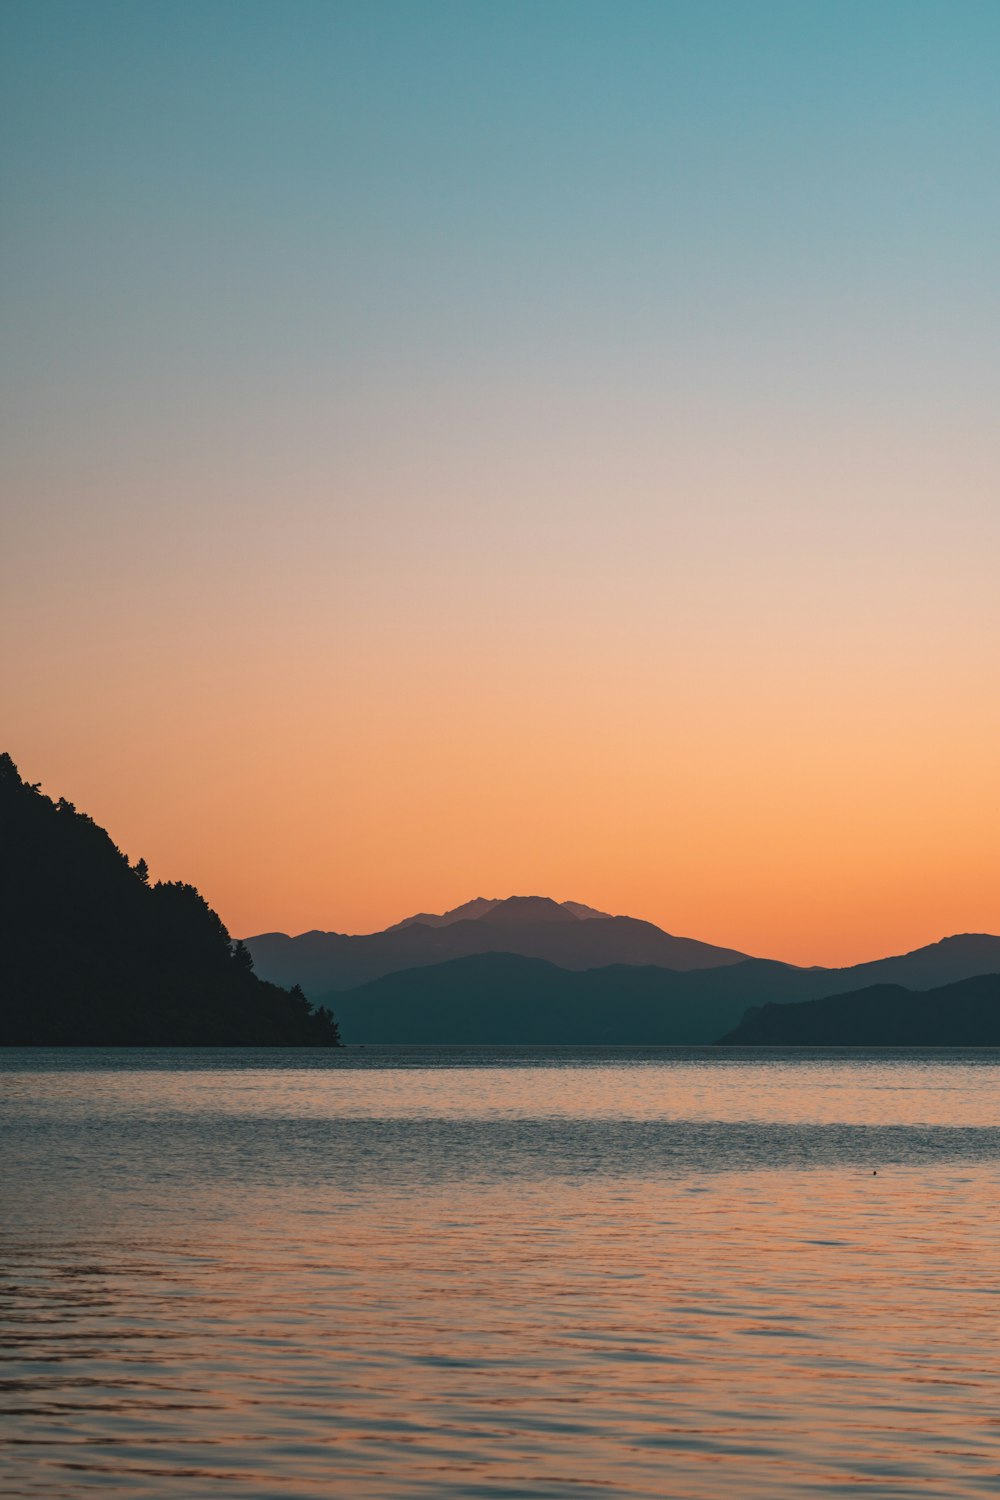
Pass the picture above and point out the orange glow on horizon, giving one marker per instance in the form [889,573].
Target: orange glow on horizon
[830,829]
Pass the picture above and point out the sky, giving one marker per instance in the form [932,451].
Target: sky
[459,449]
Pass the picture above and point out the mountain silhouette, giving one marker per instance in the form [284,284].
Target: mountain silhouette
[469,910]
[532,926]
[91,954]
[518,910]
[501,997]
[585,913]
[481,905]
[966,1014]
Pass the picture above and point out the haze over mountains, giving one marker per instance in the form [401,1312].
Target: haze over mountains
[568,933]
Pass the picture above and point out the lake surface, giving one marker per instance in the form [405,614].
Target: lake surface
[379,1273]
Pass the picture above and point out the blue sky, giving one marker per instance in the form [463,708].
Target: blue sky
[446,376]
[366,189]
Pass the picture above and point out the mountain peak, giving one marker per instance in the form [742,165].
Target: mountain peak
[518,909]
[504,910]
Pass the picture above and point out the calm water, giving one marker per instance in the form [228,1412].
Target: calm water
[500,1274]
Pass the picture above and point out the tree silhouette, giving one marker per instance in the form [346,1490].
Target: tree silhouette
[92,954]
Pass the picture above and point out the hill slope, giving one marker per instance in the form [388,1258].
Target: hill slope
[966,1014]
[960,957]
[92,954]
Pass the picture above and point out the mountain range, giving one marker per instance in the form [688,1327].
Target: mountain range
[533,970]
[567,933]
[496,998]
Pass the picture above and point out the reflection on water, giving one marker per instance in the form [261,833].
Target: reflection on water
[687,1276]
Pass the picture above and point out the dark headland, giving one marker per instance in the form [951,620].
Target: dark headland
[92,954]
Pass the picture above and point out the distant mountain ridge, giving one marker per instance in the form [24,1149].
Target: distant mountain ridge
[494,998]
[468,911]
[964,1014]
[568,934]
[960,956]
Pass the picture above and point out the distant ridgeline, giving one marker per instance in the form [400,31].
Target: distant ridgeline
[91,954]
[966,1014]
[529,970]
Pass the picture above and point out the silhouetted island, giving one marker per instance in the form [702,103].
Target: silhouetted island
[92,954]
[966,1014]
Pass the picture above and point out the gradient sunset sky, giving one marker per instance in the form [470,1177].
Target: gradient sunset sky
[458,449]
